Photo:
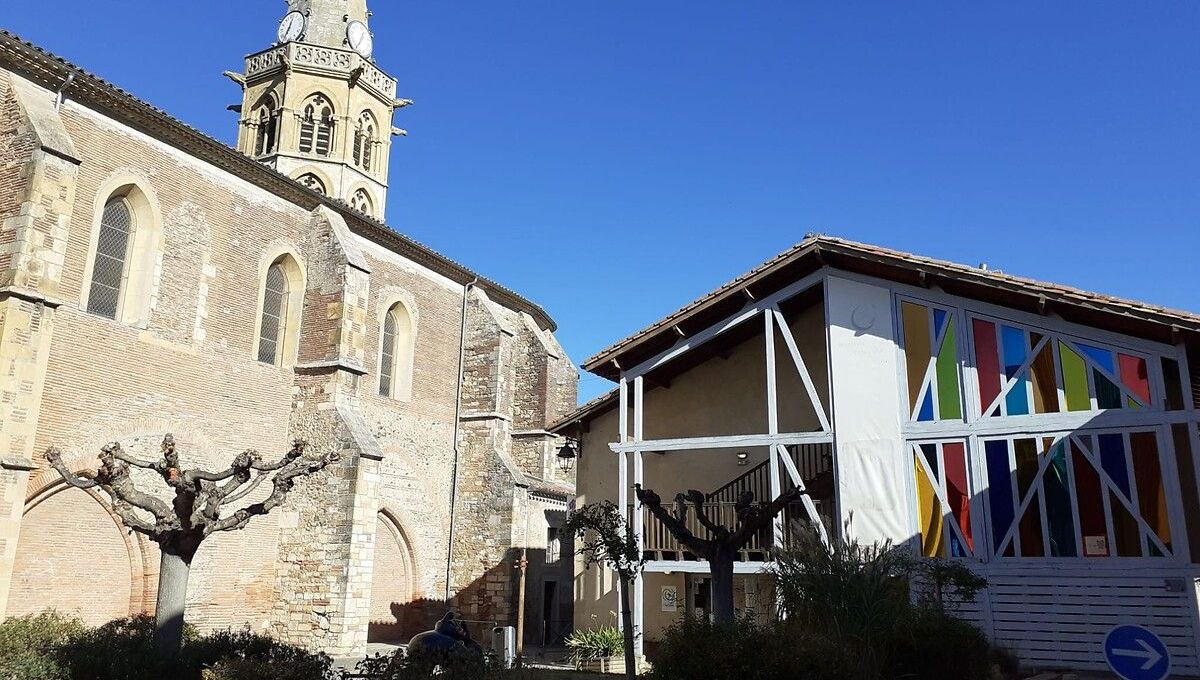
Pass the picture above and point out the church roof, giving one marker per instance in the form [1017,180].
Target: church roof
[1120,315]
[52,72]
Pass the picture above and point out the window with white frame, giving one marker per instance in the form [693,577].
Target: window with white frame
[553,545]
[1068,482]
[931,357]
[1023,371]
[396,353]
[1093,495]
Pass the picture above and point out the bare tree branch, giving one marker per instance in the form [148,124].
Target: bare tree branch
[754,519]
[54,457]
[677,528]
[283,483]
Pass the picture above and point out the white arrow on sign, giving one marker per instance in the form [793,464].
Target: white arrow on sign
[1147,652]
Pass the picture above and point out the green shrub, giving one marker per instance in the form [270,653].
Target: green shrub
[595,643]
[694,649]
[257,669]
[241,652]
[27,645]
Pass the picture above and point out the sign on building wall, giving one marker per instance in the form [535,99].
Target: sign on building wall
[670,599]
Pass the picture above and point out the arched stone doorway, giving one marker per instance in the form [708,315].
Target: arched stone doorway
[75,557]
[392,585]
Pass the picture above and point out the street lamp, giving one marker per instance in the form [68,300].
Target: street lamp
[567,455]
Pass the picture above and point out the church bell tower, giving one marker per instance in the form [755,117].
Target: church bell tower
[316,107]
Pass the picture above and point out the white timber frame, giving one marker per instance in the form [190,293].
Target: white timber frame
[972,429]
[632,441]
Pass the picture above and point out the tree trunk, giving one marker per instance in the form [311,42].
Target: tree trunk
[721,566]
[174,569]
[627,627]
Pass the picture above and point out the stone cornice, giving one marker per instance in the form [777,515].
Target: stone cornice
[52,72]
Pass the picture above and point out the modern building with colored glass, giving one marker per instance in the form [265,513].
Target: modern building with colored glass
[1045,436]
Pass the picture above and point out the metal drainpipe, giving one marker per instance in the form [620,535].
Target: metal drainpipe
[462,353]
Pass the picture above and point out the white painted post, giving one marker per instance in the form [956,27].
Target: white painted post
[639,584]
[773,425]
[622,481]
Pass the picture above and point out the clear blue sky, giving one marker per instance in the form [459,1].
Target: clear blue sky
[614,160]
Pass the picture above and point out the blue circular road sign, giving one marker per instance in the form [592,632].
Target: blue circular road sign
[1136,653]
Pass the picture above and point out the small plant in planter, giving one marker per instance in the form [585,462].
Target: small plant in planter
[597,649]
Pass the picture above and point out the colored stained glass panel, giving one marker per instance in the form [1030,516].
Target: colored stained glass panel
[949,402]
[1135,376]
[958,497]
[1108,395]
[1045,385]
[1125,529]
[918,347]
[1074,377]
[1000,492]
[1101,357]
[1015,352]
[1031,521]
[929,510]
[1059,517]
[1112,460]
[1152,496]
[987,362]
[1090,505]
[1172,384]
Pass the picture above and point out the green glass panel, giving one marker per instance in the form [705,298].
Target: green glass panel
[1074,376]
[949,402]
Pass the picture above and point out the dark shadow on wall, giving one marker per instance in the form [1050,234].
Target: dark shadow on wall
[491,600]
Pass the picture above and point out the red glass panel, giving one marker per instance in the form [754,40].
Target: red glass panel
[955,456]
[1092,526]
[1135,377]
[987,361]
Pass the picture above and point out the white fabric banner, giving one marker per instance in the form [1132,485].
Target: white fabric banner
[872,469]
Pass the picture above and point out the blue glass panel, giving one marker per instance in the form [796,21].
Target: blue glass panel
[926,412]
[999,493]
[1101,357]
[1015,351]
[1112,459]
[939,320]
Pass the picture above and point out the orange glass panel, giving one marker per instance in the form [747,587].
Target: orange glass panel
[1152,496]
[1045,386]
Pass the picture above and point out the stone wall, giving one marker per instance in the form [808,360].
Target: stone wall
[187,366]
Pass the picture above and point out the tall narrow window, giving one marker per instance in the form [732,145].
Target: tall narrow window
[274,315]
[112,251]
[266,126]
[395,356]
[317,126]
[364,141]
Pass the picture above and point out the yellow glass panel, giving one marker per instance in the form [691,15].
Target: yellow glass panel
[918,347]
[929,519]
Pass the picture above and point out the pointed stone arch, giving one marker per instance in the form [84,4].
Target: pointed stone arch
[393,583]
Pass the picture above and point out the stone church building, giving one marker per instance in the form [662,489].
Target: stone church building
[154,280]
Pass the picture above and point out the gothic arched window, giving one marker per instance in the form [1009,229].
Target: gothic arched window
[361,201]
[396,353]
[112,251]
[316,126]
[313,182]
[280,312]
[364,140]
[266,127]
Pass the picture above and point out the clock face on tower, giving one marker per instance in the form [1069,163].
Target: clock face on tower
[358,36]
[292,27]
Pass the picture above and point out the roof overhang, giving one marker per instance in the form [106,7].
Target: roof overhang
[1118,315]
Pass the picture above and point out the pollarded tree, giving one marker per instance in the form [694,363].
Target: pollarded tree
[605,537]
[197,511]
[720,550]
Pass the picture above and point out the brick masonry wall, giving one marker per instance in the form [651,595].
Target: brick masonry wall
[304,573]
